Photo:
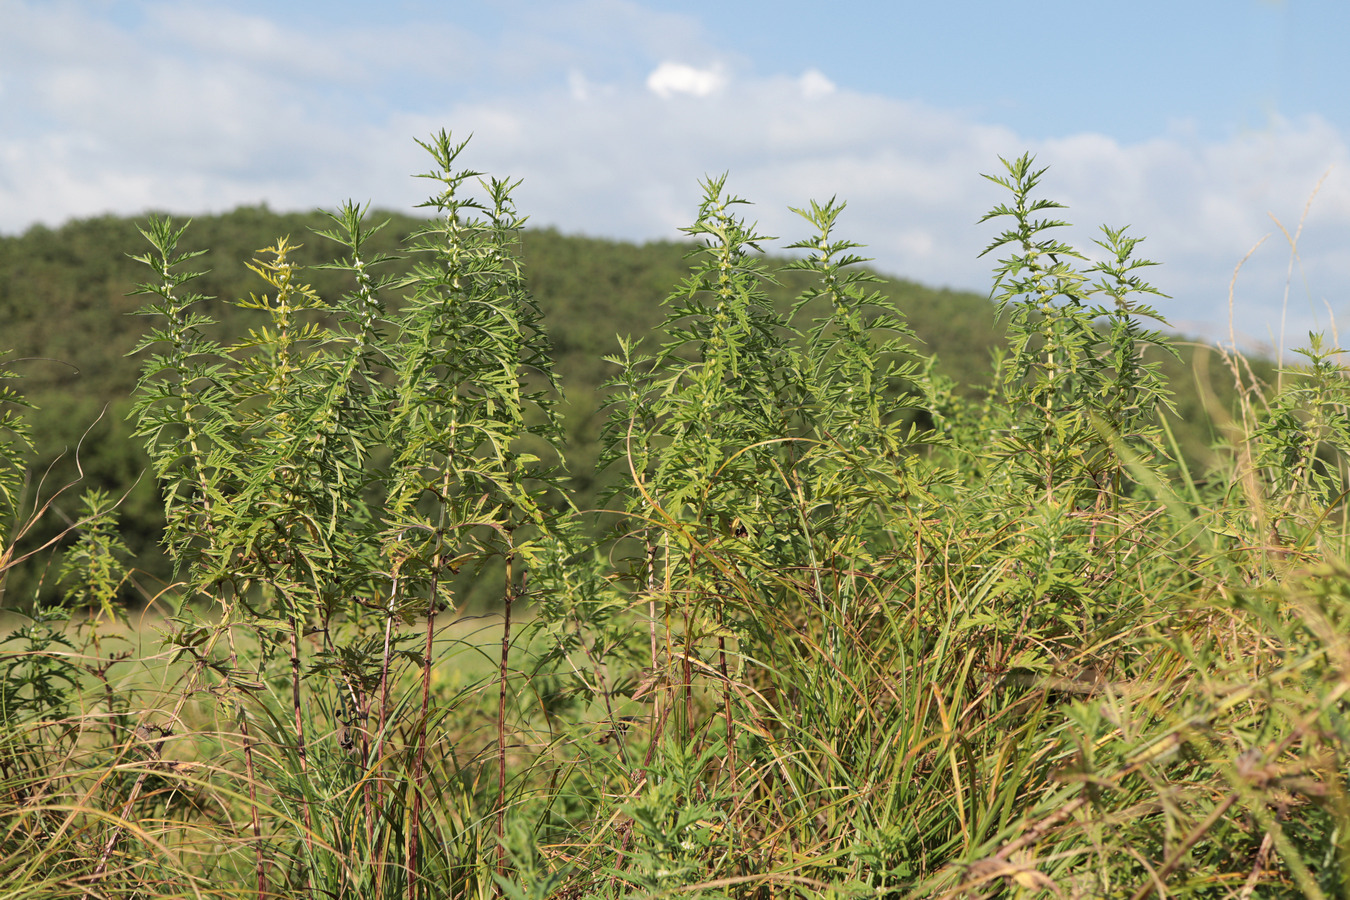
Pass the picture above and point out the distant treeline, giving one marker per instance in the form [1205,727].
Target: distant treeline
[66,314]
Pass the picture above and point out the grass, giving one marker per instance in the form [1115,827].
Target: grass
[842,632]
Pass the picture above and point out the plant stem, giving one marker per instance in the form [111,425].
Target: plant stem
[501,717]
[420,755]
[300,749]
[250,772]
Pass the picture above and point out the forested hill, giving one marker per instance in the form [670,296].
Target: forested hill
[66,315]
[61,288]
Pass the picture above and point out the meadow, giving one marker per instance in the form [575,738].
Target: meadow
[823,623]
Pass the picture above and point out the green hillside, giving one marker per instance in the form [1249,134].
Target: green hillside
[67,309]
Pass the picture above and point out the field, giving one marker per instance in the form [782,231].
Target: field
[837,627]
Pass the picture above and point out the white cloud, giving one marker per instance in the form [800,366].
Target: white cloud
[911,175]
[671,78]
[815,84]
[222,34]
[578,86]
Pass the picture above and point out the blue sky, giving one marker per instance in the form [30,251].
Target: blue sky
[1206,125]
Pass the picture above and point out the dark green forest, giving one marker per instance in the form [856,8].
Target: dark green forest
[69,319]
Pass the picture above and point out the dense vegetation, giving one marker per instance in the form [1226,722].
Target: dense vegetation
[781,603]
[66,298]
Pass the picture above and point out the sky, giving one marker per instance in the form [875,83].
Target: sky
[1218,130]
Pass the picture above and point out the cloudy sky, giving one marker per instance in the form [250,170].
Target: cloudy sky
[1205,125]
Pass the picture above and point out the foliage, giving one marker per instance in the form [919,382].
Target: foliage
[78,275]
[842,628]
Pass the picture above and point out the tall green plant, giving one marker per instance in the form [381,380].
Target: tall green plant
[1078,381]
[698,430]
[474,380]
[767,464]
[333,472]
[1302,440]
